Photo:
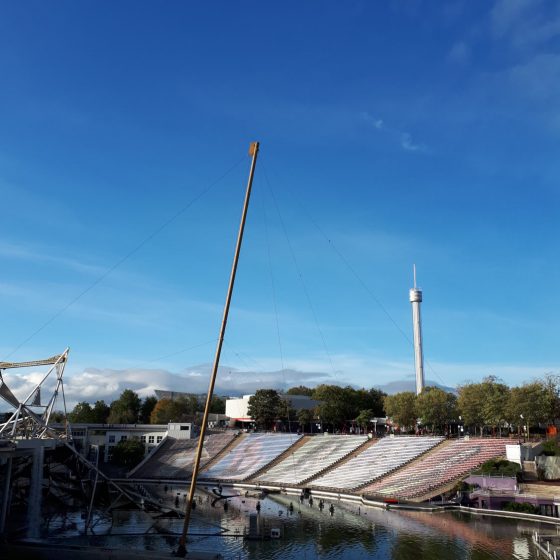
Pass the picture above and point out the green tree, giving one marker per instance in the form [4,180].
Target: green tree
[128,453]
[483,404]
[337,405]
[217,405]
[305,417]
[100,412]
[368,399]
[436,408]
[146,408]
[81,413]
[552,384]
[364,418]
[495,405]
[530,404]
[125,409]
[470,402]
[265,406]
[300,390]
[401,408]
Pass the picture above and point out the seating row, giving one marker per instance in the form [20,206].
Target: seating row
[311,458]
[444,465]
[175,457]
[376,461]
[253,453]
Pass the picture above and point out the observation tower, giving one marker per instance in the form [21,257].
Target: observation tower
[416,300]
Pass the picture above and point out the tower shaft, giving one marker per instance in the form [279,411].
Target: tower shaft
[416,300]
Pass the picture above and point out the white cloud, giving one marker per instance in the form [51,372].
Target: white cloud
[107,384]
[403,137]
[408,144]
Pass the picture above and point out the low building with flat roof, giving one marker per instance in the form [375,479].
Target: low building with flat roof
[106,436]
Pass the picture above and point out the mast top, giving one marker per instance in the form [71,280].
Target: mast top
[253,148]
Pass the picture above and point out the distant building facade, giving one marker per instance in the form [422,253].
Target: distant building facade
[106,436]
[175,395]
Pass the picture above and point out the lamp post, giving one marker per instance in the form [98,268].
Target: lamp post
[519,429]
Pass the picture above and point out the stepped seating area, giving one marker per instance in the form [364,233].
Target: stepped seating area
[253,453]
[174,458]
[311,458]
[381,458]
[440,467]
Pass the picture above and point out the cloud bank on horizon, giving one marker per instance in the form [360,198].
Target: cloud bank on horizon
[93,384]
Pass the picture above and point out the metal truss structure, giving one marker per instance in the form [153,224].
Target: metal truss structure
[33,420]
[30,418]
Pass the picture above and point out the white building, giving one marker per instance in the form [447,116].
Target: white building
[237,408]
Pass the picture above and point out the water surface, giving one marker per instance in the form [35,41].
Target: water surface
[349,533]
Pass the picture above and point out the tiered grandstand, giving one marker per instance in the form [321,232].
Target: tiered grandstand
[251,454]
[381,458]
[174,457]
[442,466]
[316,454]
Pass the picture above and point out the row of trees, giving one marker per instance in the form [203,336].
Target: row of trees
[488,405]
[129,408]
[337,409]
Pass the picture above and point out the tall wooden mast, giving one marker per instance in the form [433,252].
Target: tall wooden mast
[182,549]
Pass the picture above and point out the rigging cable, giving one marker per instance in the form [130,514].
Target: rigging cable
[368,290]
[275,306]
[175,353]
[300,274]
[273,287]
[244,357]
[123,259]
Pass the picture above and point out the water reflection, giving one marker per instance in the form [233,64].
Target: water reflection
[351,532]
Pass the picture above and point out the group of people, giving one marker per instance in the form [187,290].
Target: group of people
[303,496]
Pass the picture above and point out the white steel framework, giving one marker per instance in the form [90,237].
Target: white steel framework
[30,418]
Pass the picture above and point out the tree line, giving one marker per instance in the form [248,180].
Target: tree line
[338,409]
[487,406]
[129,408]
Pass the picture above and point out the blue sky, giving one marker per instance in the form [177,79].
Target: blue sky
[391,133]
